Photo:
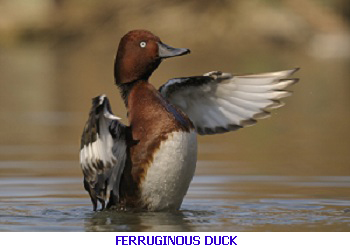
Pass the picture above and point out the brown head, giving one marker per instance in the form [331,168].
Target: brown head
[139,54]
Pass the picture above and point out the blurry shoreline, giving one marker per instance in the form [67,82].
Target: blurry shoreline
[320,28]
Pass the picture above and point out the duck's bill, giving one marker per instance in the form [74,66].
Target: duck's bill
[165,51]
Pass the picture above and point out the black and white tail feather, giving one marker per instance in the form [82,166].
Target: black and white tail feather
[102,153]
[220,102]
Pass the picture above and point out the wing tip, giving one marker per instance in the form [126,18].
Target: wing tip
[284,94]
[287,82]
[274,105]
[262,115]
[295,69]
[291,71]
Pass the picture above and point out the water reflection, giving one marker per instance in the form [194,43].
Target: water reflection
[137,221]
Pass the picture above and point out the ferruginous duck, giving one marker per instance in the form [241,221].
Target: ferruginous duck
[149,164]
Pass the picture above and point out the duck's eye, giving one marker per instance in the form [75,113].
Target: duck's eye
[143,44]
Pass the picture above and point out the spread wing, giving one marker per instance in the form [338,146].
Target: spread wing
[220,102]
[103,152]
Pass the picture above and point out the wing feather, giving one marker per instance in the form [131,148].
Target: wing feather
[103,152]
[220,102]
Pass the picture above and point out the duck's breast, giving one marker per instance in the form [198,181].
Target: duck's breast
[169,175]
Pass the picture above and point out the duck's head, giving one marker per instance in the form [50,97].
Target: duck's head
[139,54]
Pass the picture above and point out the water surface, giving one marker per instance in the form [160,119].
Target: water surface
[214,203]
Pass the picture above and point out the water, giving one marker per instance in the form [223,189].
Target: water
[214,203]
[288,173]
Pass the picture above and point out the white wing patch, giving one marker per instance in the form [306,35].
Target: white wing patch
[219,102]
[99,153]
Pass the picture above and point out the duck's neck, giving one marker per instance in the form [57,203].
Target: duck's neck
[126,88]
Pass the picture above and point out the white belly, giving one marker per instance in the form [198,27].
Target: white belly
[170,174]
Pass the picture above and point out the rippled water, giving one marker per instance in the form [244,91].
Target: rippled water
[288,173]
[214,203]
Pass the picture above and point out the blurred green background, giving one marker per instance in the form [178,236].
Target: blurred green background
[57,54]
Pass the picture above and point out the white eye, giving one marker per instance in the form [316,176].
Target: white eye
[143,44]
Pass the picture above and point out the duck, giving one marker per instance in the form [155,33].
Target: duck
[149,164]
